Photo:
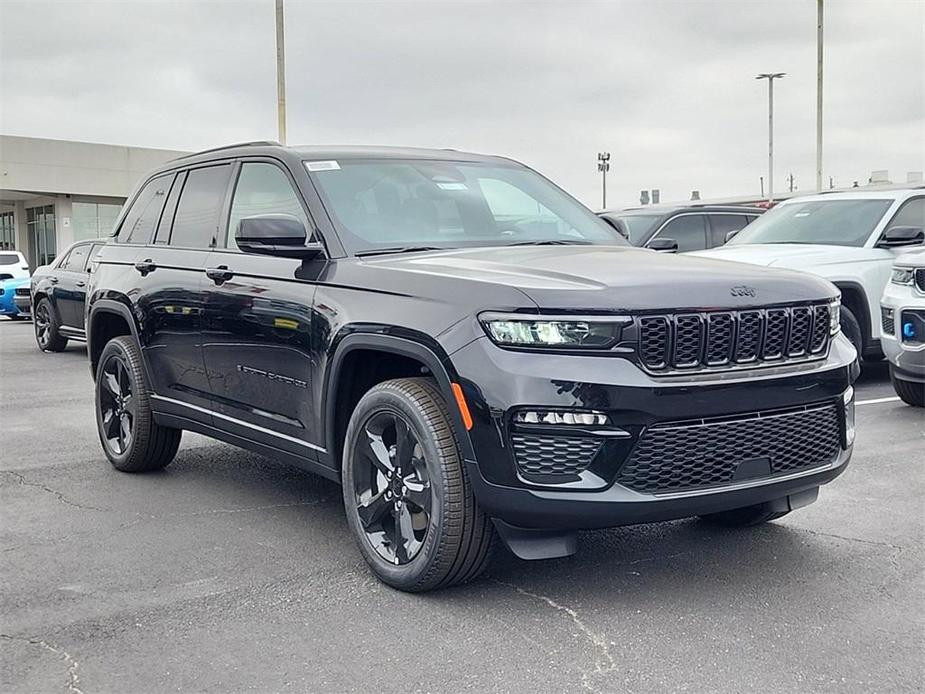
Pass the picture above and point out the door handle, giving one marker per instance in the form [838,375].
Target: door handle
[219,274]
[81,283]
[53,280]
[145,266]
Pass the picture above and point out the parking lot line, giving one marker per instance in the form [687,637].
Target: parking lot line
[876,401]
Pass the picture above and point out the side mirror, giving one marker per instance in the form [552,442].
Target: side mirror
[731,235]
[895,237]
[663,245]
[275,234]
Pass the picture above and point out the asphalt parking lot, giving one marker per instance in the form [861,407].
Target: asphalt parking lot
[228,572]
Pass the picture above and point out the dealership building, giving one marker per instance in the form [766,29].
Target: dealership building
[55,192]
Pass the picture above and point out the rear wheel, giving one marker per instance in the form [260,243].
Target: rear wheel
[131,439]
[406,493]
[744,517]
[46,324]
[909,392]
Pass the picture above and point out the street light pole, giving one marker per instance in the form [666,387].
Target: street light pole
[280,72]
[770,77]
[603,165]
[819,18]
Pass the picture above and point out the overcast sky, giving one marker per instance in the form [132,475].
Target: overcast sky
[666,86]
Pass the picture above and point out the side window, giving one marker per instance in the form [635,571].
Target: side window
[688,230]
[138,225]
[196,221]
[262,189]
[722,224]
[76,259]
[163,227]
[94,249]
[911,214]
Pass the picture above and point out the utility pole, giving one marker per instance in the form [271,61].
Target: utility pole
[280,72]
[819,17]
[791,182]
[770,77]
[603,165]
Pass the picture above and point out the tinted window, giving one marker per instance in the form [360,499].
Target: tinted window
[138,225]
[847,222]
[722,224]
[262,189]
[911,214]
[688,230]
[8,258]
[94,249]
[638,226]
[76,259]
[196,221]
[163,227]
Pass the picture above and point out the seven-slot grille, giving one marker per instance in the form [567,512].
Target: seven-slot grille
[680,456]
[920,279]
[728,338]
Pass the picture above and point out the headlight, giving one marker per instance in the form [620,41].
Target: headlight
[902,275]
[834,316]
[580,332]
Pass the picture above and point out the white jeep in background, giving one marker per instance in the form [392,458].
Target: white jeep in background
[902,317]
[850,239]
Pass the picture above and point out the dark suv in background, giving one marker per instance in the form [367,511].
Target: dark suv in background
[471,352]
[680,229]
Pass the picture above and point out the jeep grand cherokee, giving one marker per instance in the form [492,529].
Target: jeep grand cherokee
[471,352]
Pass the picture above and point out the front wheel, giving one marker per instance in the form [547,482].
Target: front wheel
[45,322]
[131,439]
[852,330]
[407,496]
[909,392]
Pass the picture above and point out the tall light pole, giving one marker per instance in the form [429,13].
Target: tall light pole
[819,17]
[770,77]
[603,165]
[280,72]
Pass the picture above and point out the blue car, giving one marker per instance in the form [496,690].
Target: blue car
[14,298]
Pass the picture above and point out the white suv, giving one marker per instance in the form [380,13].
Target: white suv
[850,239]
[902,317]
[13,265]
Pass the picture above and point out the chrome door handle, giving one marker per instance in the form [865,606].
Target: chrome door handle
[219,274]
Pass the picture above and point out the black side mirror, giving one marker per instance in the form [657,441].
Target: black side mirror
[731,235]
[663,245]
[895,237]
[275,234]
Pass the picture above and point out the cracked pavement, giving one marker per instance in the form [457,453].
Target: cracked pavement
[229,572]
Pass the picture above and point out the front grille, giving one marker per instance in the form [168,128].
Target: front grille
[694,455]
[22,291]
[690,341]
[887,324]
[920,279]
[554,455]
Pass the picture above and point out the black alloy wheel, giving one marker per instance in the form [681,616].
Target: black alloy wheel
[117,405]
[391,487]
[45,324]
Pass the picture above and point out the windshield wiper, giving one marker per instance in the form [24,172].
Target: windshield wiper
[397,249]
[552,242]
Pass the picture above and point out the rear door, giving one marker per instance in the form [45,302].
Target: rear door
[257,327]
[69,290]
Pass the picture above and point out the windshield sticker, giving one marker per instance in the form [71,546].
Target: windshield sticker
[452,186]
[322,165]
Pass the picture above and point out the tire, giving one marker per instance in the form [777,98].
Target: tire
[130,437]
[744,517]
[909,392]
[46,324]
[424,531]
[852,330]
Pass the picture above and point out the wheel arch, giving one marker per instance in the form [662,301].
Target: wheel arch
[854,298]
[342,387]
[108,319]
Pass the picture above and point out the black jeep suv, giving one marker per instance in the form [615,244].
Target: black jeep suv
[471,352]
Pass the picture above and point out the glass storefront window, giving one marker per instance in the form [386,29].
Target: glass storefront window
[93,220]
[42,243]
[7,232]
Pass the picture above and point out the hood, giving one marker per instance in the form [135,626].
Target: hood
[795,256]
[614,278]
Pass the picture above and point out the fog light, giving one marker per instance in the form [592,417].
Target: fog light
[848,401]
[561,417]
[909,331]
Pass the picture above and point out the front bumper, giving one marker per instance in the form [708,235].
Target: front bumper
[23,303]
[497,382]
[907,358]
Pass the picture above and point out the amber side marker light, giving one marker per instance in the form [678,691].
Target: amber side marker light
[461,404]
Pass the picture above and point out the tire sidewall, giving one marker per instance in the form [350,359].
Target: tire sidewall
[53,323]
[388,400]
[115,348]
[852,330]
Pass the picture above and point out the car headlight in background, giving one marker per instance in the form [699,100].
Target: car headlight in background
[515,330]
[902,275]
[834,316]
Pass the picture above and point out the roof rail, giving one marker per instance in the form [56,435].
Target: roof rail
[255,143]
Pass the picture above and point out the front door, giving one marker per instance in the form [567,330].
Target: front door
[70,286]
[257,325]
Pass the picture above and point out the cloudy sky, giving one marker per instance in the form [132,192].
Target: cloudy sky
[667,86]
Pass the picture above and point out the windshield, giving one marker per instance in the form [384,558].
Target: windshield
[404,204]
[829,222]
[638,226]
